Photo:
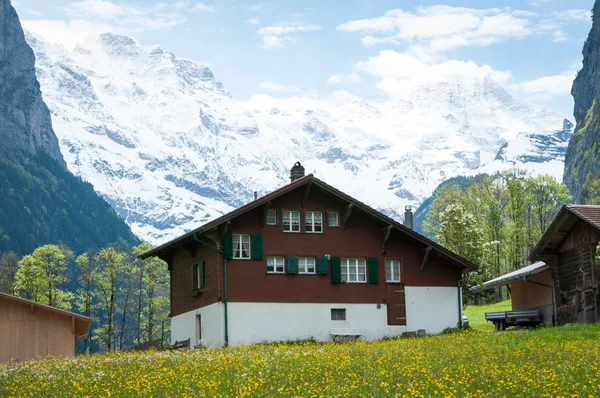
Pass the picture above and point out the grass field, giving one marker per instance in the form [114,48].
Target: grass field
[476,314]
[545,362]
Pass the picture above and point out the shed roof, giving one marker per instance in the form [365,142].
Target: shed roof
[82,323]
[562,224]
[506,279]
[311,179]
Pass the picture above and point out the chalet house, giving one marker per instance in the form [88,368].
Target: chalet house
[568,248]
[308,261]
[31,330]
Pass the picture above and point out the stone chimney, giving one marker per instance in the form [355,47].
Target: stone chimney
[296,172]
[408,217]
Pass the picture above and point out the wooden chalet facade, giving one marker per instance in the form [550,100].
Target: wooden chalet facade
[569,249]
[308,261]
[30,330]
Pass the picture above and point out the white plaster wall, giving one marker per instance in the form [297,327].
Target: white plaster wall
[213,328]
[259,322]
[431,308]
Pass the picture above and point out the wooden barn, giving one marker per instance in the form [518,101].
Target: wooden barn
[569,248]
[30,330]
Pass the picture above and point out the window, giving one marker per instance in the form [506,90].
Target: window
[354,270]
[291,221]
[392,271]
[241,247]
[334,218]
[306,265]
[200,276]
[314,221]
[275,265]
[272,217]
[338,314]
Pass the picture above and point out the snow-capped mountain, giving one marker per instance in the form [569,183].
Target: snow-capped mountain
[169,148]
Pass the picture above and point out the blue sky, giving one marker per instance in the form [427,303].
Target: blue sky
[532,47]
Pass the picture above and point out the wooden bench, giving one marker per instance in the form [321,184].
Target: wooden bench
[338,333]
[181,345]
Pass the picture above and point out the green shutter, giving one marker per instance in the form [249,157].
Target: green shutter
[228,246]
[373,270]
[292,264]
[257,247]
[322,265]
[193,279]
[201,275]
[336,270]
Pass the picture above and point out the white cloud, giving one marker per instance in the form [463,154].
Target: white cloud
[275,87]
[574,15]
[253,21]
[99,9]
[344,79]
[547,87]
[68,34]
[275,36]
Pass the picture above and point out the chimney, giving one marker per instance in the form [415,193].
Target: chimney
[255,195]
[296,172]
[408,217]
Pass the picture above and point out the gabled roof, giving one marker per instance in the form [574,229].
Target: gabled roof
[82,323]
[562,224]
[458,260]
[506,279]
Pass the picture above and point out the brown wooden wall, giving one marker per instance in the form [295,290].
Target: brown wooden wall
[248,280]
[527,295]
[581,235]
[25,335]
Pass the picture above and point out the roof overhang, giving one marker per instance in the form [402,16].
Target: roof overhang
[511,277]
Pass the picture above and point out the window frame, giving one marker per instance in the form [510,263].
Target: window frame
[300,269]
[337,213]
[347,268]
[267,217]
[299,221]
[198,285]
[241,246]
[399,270]
[335,310]
[306,224]
[275,272]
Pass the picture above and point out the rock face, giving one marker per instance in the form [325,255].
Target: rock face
[163,141]
[25,124]
[582,162]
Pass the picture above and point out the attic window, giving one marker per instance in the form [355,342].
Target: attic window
[272,217]
[291,221]
[314,222]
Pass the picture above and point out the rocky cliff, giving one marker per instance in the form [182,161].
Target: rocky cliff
[25,125]
[582,162]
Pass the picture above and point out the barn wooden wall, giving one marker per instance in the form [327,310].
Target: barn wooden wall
[526,296]
[25,335]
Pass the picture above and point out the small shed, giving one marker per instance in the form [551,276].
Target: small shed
[569,248]
[530,288]
[31,330]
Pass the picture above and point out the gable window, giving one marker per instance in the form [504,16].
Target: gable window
[306,265]
[334,218]
[272,217]
[354,270]
[291,221]
[314,221]
[241,247]
[275,265]
[338,314]
[392,271]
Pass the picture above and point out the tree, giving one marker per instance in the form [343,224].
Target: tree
[42,274]
[9,264]
[460,232]
[84,296]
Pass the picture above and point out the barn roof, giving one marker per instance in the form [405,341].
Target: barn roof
[506,279]
[311,179]
[562,224]
[81,323]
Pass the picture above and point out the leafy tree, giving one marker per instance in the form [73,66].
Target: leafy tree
[83,299]
[9,264]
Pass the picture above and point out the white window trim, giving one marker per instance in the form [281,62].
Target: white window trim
[339,320]
[399,271]
[348,269]
[337,213]
[312,212]
[249,247]
[299,221]
[275,266]
[314,266]
[267,217]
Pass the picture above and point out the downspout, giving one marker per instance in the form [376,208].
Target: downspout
[224,284]
[459,290]
[553,301]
